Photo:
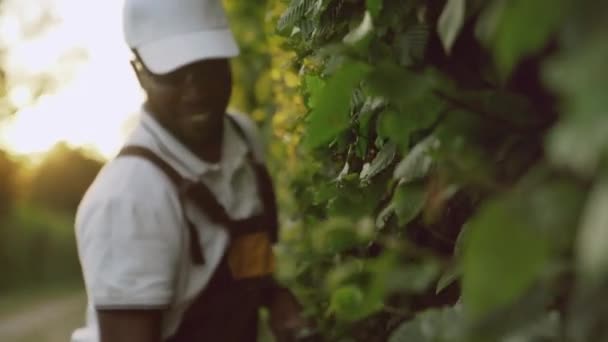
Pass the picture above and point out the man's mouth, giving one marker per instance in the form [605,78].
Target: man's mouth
[199,118]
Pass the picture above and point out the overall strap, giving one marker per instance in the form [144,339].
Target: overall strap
[181,183]
[247,138]
[264,183]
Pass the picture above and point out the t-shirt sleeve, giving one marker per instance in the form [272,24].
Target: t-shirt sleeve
[129,252]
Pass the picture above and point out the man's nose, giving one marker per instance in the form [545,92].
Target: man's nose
[191,90]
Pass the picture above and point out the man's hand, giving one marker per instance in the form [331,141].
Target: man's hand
[286,318]
[130,325]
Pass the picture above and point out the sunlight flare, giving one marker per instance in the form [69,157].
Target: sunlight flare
[92,90]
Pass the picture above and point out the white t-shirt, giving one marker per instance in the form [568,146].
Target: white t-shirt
[132,238]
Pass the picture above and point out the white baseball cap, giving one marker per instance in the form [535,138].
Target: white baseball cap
[169,34]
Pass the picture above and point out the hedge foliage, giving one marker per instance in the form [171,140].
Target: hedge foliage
[445,162]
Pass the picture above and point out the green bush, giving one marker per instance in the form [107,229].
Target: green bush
[37,249]
[446,167]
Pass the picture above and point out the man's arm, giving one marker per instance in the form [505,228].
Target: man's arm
[286,319]
[130,325]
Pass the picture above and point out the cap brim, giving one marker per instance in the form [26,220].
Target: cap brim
[164,56]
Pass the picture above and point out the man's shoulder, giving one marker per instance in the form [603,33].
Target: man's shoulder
[130,179]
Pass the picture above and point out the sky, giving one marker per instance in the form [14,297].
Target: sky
[92,94]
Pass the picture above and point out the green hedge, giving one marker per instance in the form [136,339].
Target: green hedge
[446,167]
[37,249]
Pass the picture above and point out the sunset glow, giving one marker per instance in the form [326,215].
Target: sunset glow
[82,56]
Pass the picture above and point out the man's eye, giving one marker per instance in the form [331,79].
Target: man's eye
[173,78]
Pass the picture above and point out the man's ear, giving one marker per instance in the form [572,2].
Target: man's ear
[137,69]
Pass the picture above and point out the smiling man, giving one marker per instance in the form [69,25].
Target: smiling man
[175,234]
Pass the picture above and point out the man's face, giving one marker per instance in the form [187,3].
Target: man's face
[192,100]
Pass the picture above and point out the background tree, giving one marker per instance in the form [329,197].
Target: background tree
[8,175]
[62,178]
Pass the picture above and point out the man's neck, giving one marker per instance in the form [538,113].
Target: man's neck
[210,151]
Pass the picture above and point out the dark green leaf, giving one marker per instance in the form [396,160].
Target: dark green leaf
[396,127]
[349,271]
[347,302]
[579,140]
[355,199]
[408,201]
[314,87]
[503,257]
[413,278]
[515,29]
[374,7]
[449,277]
[399,85]
[353,302]
[332,112]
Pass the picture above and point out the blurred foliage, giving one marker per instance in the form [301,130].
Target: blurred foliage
[38,202]
[37,248]
[440,165]
[8,181]
[429,153]
[62,178]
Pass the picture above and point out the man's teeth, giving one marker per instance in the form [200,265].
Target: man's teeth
[199,117]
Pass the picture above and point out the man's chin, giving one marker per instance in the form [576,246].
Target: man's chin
[209,134]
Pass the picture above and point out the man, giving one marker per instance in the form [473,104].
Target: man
[174,235]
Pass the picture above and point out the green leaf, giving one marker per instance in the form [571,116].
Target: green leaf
[383,159]
[408,201]
[553,207]
[413,277]
[374,7]
[579,143]
[345,272]
[350,303]
[579,140]
[592,244]
[346,302]
[451,22]
[515,29]
[420,115]
[503,257]
[418,161]
[354,199]
[335,235]
[332,112]
[314,87]
[395,127]
[400,85]
[449,277]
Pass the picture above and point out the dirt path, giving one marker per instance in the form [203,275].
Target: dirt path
[51,320]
